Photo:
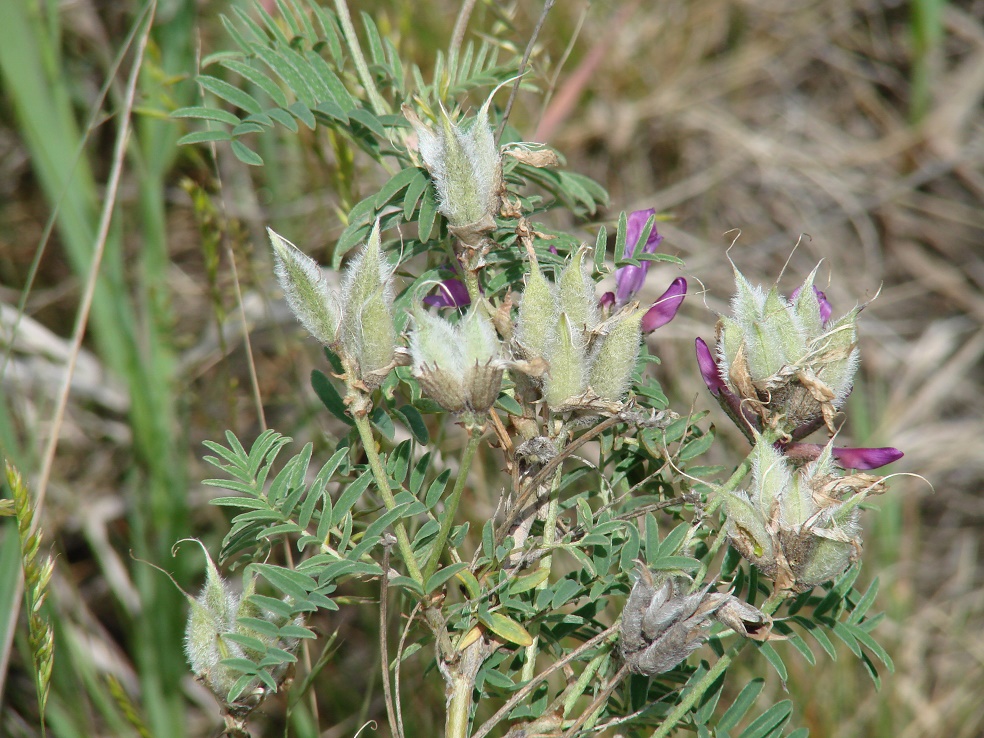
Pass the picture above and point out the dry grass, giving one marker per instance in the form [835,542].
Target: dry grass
[773,119]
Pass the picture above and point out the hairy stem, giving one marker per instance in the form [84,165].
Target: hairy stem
[462,682]
[382,483]
[452,505]
[546,563]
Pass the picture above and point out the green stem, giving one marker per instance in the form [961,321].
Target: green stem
[694,695]
[471,284]
[549,536]
[452,505]
[382,483]
[379,105]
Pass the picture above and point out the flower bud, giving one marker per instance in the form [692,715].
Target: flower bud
[480,359]
[782,359]
[306,290]
[567,378]
[800,527]
[615,360]
[465,165]
[536,328]
[214,615]
[576,293]
[459,367]
[368,334]
[437,362]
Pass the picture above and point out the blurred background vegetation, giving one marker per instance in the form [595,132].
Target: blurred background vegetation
[851,128]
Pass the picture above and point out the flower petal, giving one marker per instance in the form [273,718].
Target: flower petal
[849,458]
[607,300]
[709,368]
[665,308]
[866,458]
[629,279]
[452,293]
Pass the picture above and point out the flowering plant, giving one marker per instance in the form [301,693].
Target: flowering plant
[560,595]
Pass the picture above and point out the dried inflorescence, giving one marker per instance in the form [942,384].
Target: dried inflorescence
[662,624]
[799,525]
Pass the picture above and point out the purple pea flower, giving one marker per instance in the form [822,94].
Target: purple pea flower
[849,458]
[629,279]
[452,293]
[607,300]
[665,308]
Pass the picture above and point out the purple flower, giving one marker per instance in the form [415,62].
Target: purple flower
[665,308]
[826,309]
[452,293]
[849,458]
[629,279]
[607,300]
[709,369]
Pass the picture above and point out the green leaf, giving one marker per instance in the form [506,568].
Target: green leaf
[229,93]
[864,604]
[415,188]
[428,214]
[203,137]
[203,113]
[528,582]
[505,628]
[367,119]
[697,446]
[872,645]
[414,422]
[245,154]
[746,698]
[470,584]
[349,496]
[844,633]
[383,422]
[439,578]
[396,184]
[764,725]
[708,703]
[436,489]
[292,583]
[669,545]
[773,657]
[259,79]
[303,113]
[600,250]
[329,396]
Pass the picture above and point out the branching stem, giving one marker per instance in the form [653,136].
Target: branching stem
[451,507]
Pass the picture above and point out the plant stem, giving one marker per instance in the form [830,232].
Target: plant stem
[382,483]
[462,684]
[546,563]
[452,505]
